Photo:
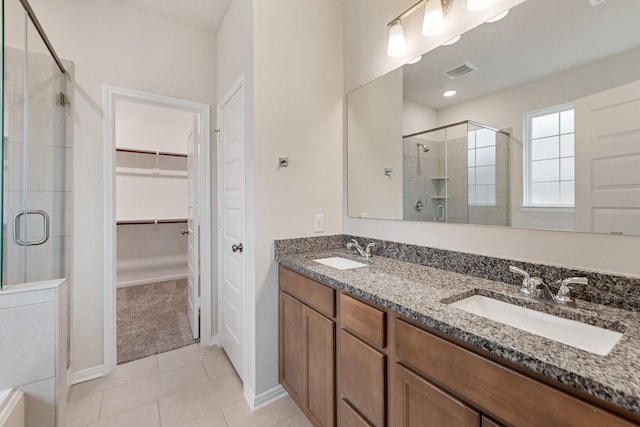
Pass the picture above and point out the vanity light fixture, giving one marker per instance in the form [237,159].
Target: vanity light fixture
[397,43]
[434,13]
[449,93]
[498,16]
[474,5]
[456,39]
[433,23]
[414,60]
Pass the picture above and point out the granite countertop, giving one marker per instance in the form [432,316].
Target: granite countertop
[422,293]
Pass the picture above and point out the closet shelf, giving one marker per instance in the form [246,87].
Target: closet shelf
[161,153]
[152,221]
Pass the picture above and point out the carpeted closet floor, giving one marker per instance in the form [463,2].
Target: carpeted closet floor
[152,319]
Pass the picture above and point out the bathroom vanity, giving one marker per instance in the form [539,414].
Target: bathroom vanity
[382,346]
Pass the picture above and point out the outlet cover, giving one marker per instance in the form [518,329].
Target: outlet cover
[318,223]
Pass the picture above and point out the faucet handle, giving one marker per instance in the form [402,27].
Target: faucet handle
[514,269]
[368,249]
[529,283]
[564,293]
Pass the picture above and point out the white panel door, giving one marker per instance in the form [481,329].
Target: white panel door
[607,156]
[231,161]
[193,228]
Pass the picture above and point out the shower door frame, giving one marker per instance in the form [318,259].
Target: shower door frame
[110,95]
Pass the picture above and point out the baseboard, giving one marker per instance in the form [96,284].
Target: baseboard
[263,399]
[85,375]
[150,280]
[12,412]
[213,340]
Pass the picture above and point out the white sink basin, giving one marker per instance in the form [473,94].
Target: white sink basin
[340,263]
[576,334]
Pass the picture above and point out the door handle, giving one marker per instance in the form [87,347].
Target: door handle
[237,248]
[16,227]
[185,232]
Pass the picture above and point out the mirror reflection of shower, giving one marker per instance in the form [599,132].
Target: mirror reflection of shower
[424,147]
[463,179]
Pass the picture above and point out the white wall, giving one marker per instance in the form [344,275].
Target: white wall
[416,117]
[293,91]
[298,112]
[113,44]
[153,128]
[365,59]
[150,253]
[375,129]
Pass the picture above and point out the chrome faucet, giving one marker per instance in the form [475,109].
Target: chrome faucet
[529,284]
[365,252]
[564,293]
[536,288]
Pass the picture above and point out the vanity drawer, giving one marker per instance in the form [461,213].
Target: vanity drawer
[364,321]
[362,375]
[503,393]
[347,417]
[310,292]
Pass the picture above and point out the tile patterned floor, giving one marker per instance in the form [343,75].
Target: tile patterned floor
[192,386]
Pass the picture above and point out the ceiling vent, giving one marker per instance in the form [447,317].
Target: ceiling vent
[460,70]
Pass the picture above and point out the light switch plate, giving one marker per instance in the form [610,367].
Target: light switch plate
[318,223]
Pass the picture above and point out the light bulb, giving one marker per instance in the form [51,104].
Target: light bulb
[397,43]
[474,5]
[433,18]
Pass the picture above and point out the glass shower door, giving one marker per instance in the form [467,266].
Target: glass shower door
[36,188]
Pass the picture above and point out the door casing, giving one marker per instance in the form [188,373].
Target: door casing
[110,95]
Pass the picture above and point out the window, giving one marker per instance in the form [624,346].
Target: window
[549,157]
[481,164]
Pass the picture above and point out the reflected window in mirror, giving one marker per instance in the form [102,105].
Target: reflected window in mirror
[481,174]
[549,157]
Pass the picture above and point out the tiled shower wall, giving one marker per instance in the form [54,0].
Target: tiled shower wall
[425,176]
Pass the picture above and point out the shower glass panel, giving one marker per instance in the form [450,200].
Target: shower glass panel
[36,187]
[457,174]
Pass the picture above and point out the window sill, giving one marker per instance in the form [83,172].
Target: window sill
[554,209]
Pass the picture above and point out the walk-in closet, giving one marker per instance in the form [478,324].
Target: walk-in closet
[152,208]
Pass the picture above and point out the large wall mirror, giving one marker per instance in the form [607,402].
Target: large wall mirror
[543,130]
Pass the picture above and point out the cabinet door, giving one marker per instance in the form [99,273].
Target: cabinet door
[292,342]
[347,417]
[320,372]
[418,403]
[363,378]
[488,422]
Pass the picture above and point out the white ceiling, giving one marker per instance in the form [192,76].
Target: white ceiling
[536,39]
[206,15]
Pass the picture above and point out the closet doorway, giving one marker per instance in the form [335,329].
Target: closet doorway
[157,230]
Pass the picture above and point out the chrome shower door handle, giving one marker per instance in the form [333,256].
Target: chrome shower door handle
[16,228]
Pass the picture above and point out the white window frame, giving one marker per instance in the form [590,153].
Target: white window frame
[495,168]
[528,118]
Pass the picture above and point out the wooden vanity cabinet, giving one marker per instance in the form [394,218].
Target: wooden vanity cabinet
[489,387]
[307,347]
[393,373]
[419,403]
[362,364]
